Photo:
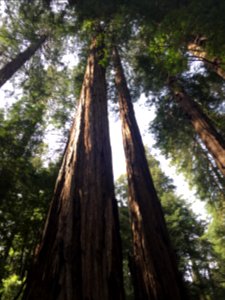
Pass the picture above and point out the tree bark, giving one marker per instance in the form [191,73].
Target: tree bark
[154,263]
[80,254]
[202,125]
[214,64]
[15,64]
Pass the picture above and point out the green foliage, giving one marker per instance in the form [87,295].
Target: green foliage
[26,185]
[165,54]
[201,18]
[216,233]
[121,194]
[11,286]
[99,9]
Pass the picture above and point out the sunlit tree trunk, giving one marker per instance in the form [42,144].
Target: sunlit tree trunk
[15,64]
[79,257]
[153,264]
[214,64]
[202,125]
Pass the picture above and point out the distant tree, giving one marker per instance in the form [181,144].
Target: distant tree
[154,66]
[11,67]
[212,140]
[29,27]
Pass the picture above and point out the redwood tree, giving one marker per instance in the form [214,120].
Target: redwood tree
[154,265]
[79,256]
[201,123]
[15,64]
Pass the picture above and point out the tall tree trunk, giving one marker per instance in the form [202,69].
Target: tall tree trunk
[15,64]
[154,262]
[202,125]
[80,255]
[214,64]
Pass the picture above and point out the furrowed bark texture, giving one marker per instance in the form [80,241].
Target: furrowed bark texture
[14,65]
[156,275]
[202,125]
[197,51]
[80,254]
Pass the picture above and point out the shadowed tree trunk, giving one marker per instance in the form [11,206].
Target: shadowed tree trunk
[14,65]
[79,257]
[156,275]
[202,125]
[214,64]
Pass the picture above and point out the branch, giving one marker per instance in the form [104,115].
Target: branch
[203,59]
